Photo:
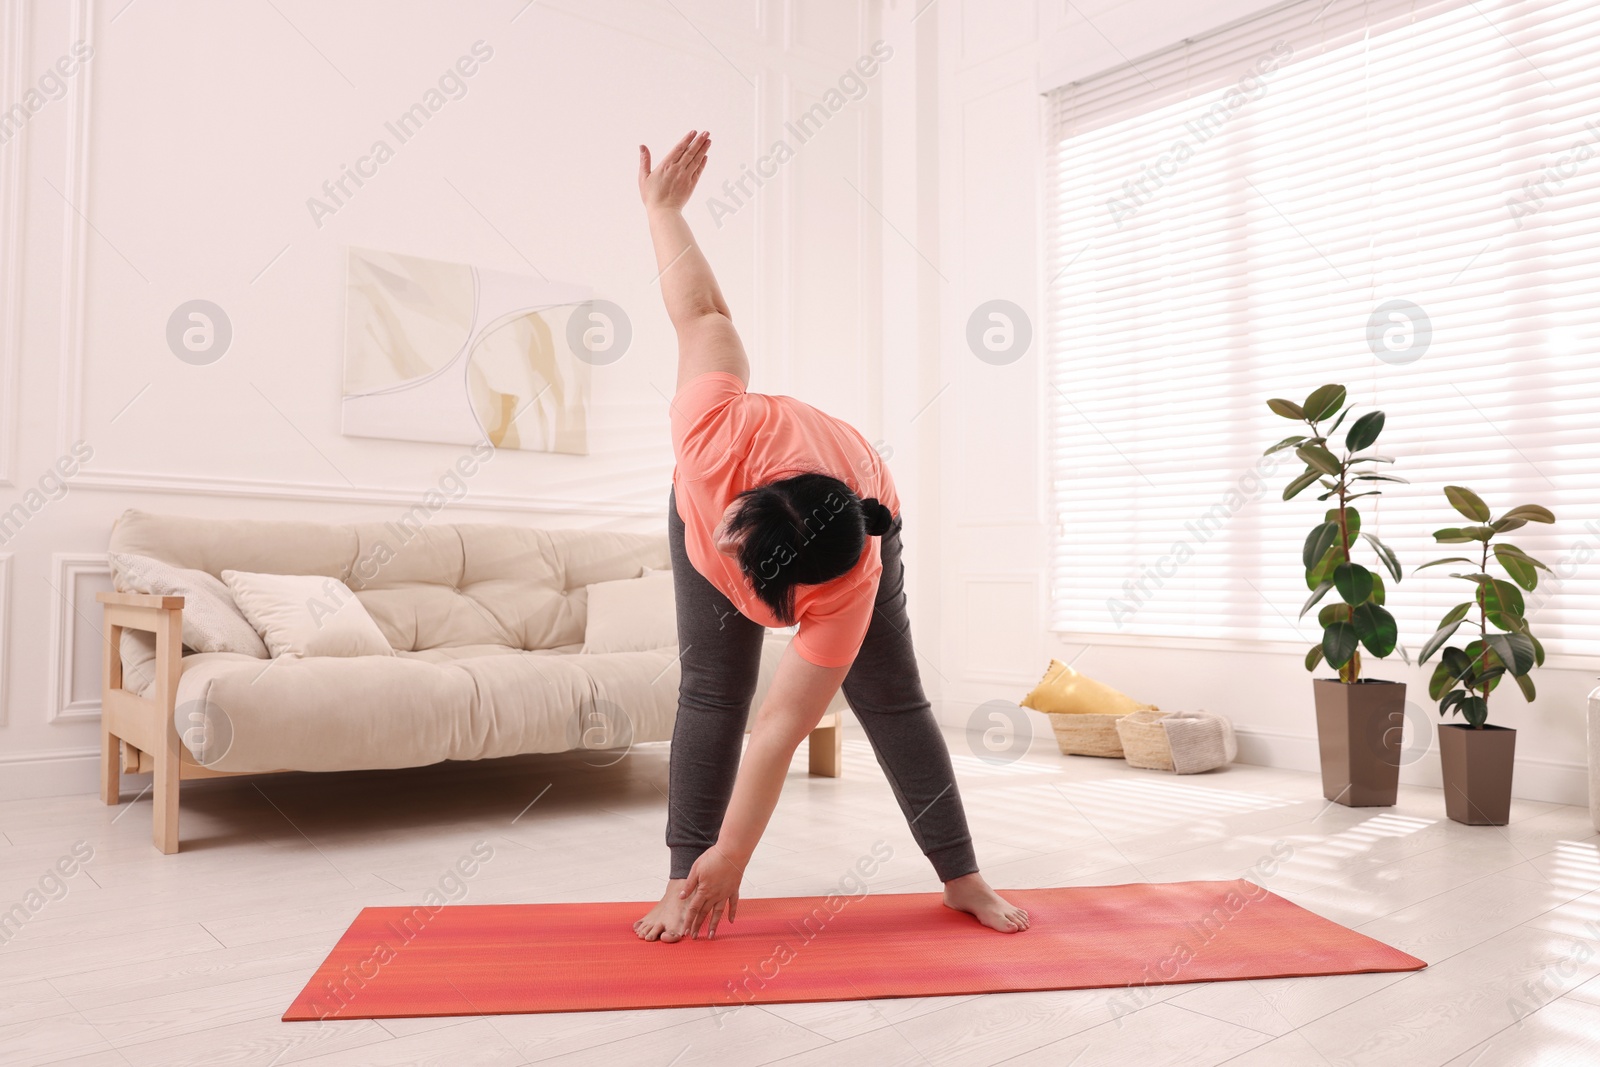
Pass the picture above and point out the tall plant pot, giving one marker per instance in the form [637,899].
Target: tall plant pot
[1477,772]
[1360,728]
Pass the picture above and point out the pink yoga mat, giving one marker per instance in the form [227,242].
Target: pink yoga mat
[494,959]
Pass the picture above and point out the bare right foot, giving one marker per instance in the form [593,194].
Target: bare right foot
[665,921]
[971,894]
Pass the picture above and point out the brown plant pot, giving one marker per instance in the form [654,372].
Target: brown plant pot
[1360,727]
[1477,772]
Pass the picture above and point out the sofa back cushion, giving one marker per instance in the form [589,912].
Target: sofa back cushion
[432,585]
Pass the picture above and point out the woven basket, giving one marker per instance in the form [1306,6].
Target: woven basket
[1144,740]
[1087,734]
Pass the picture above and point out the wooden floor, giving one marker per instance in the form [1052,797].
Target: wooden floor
[190,959]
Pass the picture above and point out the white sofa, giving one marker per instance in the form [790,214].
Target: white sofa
[487,624]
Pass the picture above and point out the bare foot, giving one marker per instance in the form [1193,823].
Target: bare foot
[971,894]
[665,921]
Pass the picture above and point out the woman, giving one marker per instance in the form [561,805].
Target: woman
[778,514]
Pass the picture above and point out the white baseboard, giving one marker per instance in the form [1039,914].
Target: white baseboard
[56,773]
[1550,781]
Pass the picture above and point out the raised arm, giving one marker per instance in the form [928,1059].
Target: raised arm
[707,340]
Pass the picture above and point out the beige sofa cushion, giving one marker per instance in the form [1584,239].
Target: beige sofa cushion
[632,614]
[426,586]
[306,615]
[418,708]
[212,621]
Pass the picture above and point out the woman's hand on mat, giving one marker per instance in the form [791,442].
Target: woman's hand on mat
[712,886]
[673,180]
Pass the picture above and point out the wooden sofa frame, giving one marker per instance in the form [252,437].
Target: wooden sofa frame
[138,734]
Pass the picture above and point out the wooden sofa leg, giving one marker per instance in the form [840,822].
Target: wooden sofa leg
[110,767]
[169,768]
[827,749]
[164,792]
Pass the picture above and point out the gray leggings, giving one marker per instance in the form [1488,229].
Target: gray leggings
[721,655]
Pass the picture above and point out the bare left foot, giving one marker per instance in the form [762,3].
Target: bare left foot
[971,894]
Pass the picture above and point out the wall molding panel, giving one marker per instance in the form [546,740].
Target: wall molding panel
[66,568]
[1024,589]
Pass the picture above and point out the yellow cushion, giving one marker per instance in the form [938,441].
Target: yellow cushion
[1063,691]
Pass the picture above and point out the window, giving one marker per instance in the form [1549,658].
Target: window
[1403,198]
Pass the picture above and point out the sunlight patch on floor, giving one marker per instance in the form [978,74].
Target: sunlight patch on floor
[1576,865]
[1333,852]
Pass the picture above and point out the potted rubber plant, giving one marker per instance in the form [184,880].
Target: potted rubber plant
[1475,756]
[1360,721]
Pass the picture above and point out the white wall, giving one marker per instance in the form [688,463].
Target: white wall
[995,57]
[178,164]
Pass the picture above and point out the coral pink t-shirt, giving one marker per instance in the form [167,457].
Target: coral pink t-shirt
[727,440]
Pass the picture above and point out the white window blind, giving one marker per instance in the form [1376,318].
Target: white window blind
[1224,219]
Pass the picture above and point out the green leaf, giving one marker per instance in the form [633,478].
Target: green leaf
[1501,596]
[1380,478]
[1440,636]
[1538,651]
[1390,562]
[1370,457]
[1514,624]
[1287,408]
[1525,684]
[1354,583]
[1447,559]
[1285,443]
[1316,594]
[1507,548]
[1474,709]
[1332,613]
[1318,541]
[1441,680]
[1379,593]
[1376,628]
[1522,572]
[1452,666]
[1323,571]
[1342,416]
[1292,490]
[1467,502]
[1460,662]
[1320,459]
[1364,431]
[1339,643]
[1323,401]
[1487,681]
[1514,650]
[1501,525]
[1352,519]
[1313,657]
[1457,613]
[1528,513]
[1450,535]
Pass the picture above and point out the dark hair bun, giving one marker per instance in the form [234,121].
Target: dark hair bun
[879,518]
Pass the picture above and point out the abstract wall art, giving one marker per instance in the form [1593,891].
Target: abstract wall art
[452,353]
